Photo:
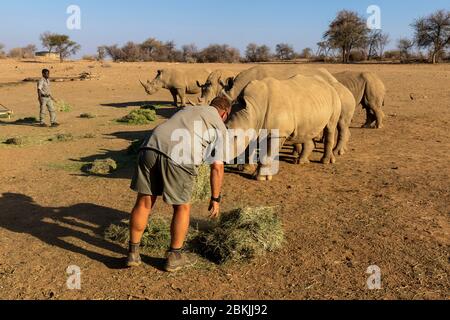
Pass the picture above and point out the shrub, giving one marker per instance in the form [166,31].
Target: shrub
[139,117]
[357,56]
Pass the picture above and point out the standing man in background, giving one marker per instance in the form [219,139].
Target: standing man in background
[46,100]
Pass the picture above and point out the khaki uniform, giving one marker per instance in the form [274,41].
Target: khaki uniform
[46,102]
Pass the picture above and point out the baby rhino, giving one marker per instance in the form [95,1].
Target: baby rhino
[178,82]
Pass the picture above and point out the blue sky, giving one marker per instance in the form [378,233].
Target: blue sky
[236,22]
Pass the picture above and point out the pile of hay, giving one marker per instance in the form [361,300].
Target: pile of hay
[63,106]
[102,167]
[16,141]
[139,117]
[202,186]
[63,137]
[242,234]
[87,116]
[238,236]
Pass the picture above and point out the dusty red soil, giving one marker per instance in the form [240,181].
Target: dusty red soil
[386,203]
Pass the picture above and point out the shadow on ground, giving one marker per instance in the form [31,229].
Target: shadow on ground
[53,225]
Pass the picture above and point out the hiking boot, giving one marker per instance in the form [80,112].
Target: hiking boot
[134,258]
[177,260]
[55,125]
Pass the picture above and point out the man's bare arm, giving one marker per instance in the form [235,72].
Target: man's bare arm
[217,175]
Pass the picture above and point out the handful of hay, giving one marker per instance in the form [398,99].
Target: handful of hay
[202,186]
[240,235]
[102,167]
[139,117]
[63,106]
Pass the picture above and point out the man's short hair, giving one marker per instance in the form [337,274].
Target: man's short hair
[45,71]
[222,104]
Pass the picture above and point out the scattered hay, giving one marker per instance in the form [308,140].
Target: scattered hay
[63,106]
[63,137]
[102,167]
[239,236]
[242,234]
[87,116]
[89,136]
[139,117]
[156,237]
[202,186]
[16,141]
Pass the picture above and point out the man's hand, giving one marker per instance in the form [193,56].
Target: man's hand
[214,210]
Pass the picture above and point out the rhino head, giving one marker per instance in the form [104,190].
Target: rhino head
[154,86]
[207,92]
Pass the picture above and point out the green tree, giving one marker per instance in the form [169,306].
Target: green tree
[433,33]
[59,43]
[346,32]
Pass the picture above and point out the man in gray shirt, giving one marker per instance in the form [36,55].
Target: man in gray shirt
[46,99]
[168,164]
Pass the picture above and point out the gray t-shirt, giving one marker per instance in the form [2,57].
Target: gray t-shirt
[192,137]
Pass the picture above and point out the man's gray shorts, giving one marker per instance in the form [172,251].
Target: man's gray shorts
[157,175]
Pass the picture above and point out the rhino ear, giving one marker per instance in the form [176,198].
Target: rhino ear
[230,83]
[198,84]
[159,72]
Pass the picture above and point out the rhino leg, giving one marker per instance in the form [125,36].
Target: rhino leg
[307,149]
[267,170]
[175,97]
[330,134]
[182,96]
[343,138]
[370,118]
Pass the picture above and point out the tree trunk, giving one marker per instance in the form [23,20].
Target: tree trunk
[433,58]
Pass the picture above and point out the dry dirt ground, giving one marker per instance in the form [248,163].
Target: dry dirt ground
[386,203]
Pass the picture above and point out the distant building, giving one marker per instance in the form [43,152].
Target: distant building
[45,55]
